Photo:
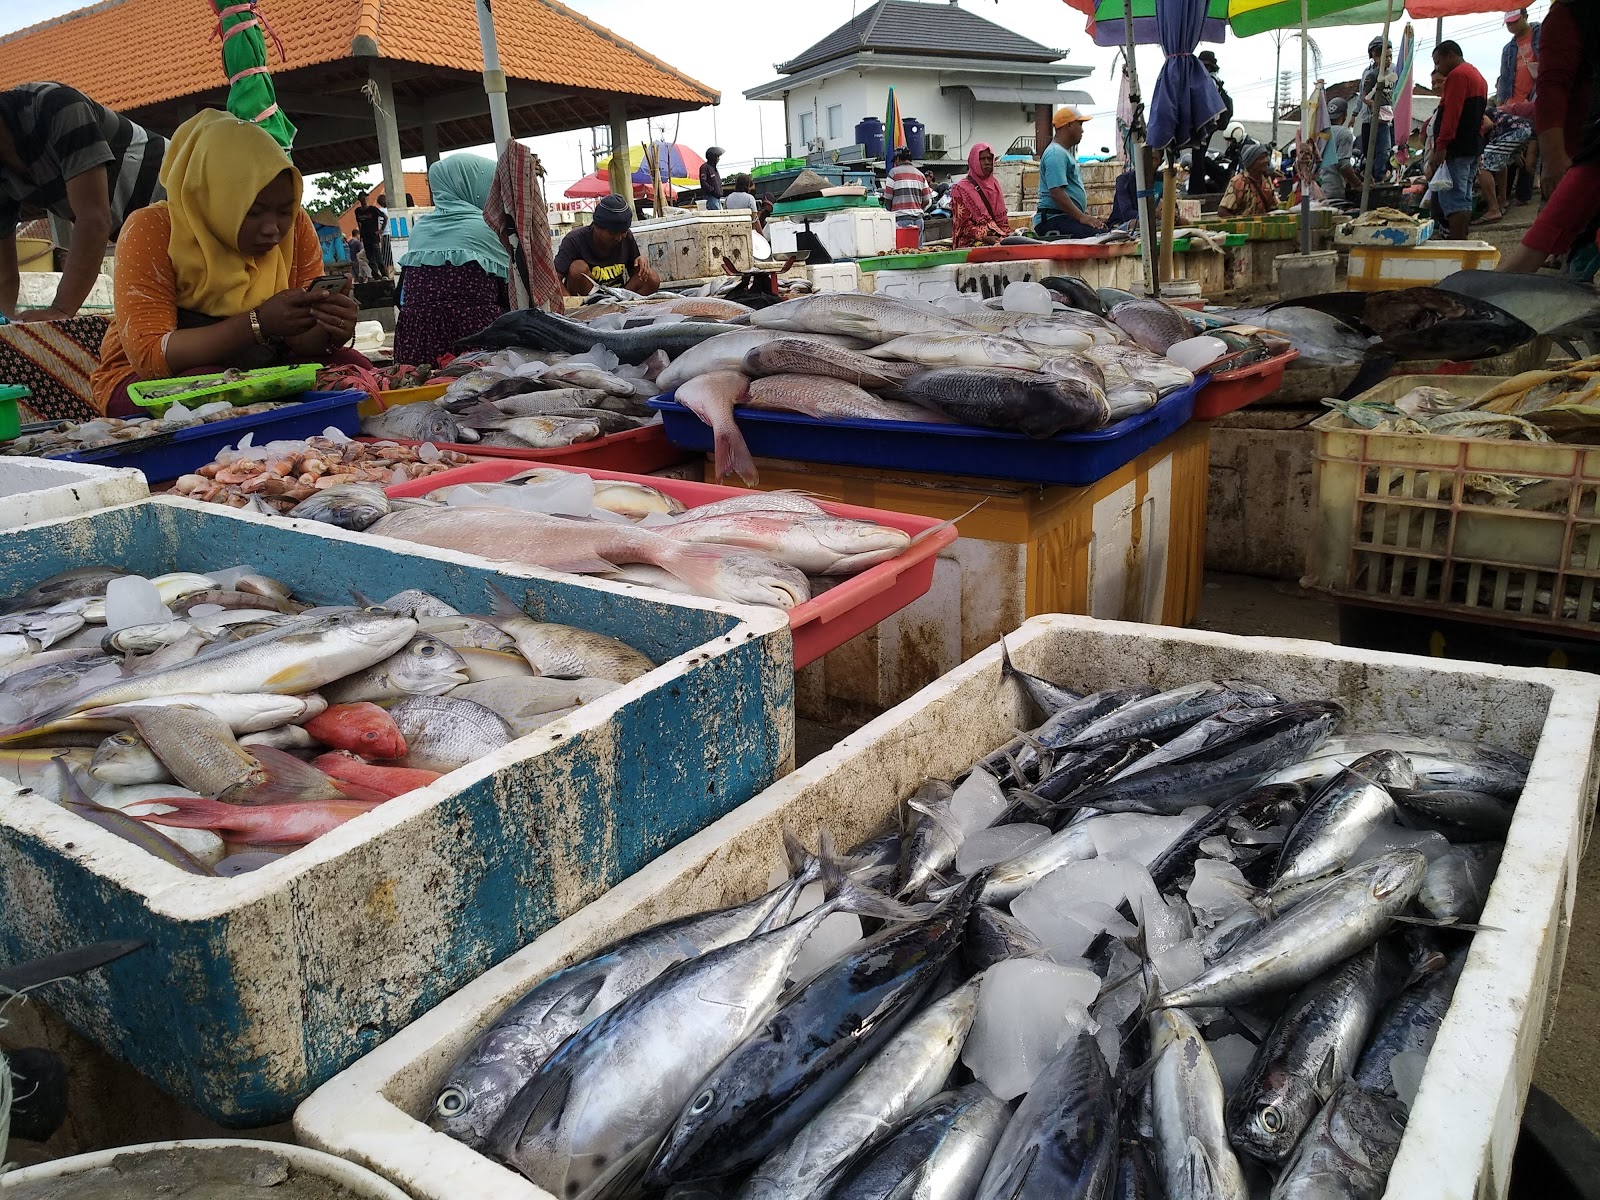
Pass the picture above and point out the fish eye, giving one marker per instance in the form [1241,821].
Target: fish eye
[704,1101]
[374,608]
[1271,1119]
[452,1102]
[427,649]
[125,739]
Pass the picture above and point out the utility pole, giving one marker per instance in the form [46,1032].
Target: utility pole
[1277,96]
[494,79]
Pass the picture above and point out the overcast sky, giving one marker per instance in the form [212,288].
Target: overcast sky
[733,47]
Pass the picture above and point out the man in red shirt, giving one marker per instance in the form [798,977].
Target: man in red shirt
[1460,139]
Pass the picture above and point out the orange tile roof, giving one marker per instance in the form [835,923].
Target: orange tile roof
[163,49]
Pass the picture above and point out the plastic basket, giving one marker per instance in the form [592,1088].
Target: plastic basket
[1074,459]
[1406,520]
[1230,391]
[1050,250]
[1389,268]
[914,262]
[639,450]
[822,623]
[256,387]
[10,416]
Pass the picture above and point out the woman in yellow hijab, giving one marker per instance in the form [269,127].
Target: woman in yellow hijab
[215,276]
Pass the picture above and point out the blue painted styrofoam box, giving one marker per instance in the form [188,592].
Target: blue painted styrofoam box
[254,990]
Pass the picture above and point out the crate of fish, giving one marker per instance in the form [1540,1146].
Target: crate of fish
[36,489]
[490,748]
[653,1040]
[836,569]
[1453,494]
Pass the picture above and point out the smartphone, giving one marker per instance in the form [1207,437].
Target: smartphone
[327,283]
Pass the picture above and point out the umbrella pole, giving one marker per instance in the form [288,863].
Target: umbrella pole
[1305,123]
[1372,126]
[1141,165]
[1169,216]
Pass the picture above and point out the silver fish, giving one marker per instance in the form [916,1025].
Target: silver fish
[1174,709]
[799,355]
[1348,1151]
[567,652]
[1014,401]
[80,583]
[424,421]
[826,398]
[1339,817]
[726,352]
[815,545]
[1143,367]
[1155,325]
[1347,914]
[940,1153]
[347,505]
[1410,1024]
[966,349]
[878,319]
[443,734]
[1456,885]
[1192,1152]
[525,703]
[424,666]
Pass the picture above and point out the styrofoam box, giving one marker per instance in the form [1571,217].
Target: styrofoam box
[833,277]
[693,246]
[924,283]
[40,489]
[37,289]
[856,232]
[1464,1126]
[253,990]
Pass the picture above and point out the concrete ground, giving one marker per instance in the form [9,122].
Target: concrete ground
[1568,1067]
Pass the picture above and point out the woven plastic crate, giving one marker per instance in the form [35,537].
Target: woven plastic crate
[1427,521]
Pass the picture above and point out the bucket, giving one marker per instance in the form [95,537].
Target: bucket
[907,237]
[35,254]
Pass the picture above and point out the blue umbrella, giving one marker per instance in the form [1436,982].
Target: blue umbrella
[1184,98]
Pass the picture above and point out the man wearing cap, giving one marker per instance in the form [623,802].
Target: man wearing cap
[1063,200]
[1376,104]
[1519,65]
[711,178]
[604,252]
[1338,174]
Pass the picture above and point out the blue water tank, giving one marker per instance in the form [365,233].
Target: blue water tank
[916,136]
[869,133]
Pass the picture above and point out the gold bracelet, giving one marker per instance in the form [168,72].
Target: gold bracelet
[255,329]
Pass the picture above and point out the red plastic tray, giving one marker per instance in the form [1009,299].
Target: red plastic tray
[1230,391]
[643,450]
[822,623]
[987,254]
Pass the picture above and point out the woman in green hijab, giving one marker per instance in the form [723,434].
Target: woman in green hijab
[453,273]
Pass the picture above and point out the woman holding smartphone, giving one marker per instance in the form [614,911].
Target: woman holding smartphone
[226,272]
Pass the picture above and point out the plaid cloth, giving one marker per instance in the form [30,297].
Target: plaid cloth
[55,359]
[515,210]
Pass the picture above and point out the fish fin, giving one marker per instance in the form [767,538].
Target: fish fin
[289,780]
[694,564]
[1037,804]
[71,787]
[1375,368]
[1328,1074]
[846,895]
[1447,923]
[732,455]
[943,525]
[363,600]
[1198,1174]
[543,1101]
[1010,1185]
[482,415]
[190,812]
[572,1007]
[501,604]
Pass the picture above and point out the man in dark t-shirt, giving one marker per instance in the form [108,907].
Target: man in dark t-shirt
[370,221]
[63,154]
[605,253]
[1460,140]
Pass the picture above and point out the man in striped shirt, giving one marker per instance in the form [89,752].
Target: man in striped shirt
[63,154]
[909,192]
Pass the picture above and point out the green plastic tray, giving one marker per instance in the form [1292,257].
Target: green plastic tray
[786,208]
[1181,245]
[10,418]
[913,262]
[254,387]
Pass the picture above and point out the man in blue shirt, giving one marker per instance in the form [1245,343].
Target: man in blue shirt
[1063,202]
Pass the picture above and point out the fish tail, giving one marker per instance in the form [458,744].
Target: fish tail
[844,894]
[732,455]
[928,533]
[190,812]
[288,780]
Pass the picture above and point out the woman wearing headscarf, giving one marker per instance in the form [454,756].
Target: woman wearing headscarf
[453,273]
[215,276]
[1250,192]
[977,205]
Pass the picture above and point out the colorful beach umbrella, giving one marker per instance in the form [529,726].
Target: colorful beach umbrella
[1106,17]
[894,129]
[1404,92]
[680,166]
[1248,17]
[244,59]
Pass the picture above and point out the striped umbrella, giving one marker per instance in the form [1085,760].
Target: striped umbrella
[1106,17]
[244,59]
[1404,90]
[894,130]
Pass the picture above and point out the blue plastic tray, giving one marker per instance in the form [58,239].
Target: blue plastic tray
[1072,459]
[168,455]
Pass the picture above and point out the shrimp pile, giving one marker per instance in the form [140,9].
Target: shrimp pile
[280,475]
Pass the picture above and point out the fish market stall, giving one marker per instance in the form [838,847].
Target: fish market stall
[36,489]
[414,1109]
[398,901]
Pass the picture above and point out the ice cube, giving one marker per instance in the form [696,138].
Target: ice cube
[1392,837]
[1179,964]
[978,802]
[1405,1069]
[1216,847]
[1134,836]
[206,610]
[1232,1055]
[1027,298]
[227,580]
[1110,1039]
[1027,1010]
[1064,937]
[1219,890]
[133,600]
[834,938]
[986,847]
[429,453]
[336,435]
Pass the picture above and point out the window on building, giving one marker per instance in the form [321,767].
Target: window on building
[808,126]
[835,122]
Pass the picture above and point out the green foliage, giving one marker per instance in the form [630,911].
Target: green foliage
[339,190]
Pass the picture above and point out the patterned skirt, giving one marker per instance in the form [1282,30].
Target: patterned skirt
[441,305]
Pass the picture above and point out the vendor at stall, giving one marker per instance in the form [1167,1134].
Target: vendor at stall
[1063,200]
[605,252]
[1250,193]
[63,154]
[453,273]
[977,205]
[217,275]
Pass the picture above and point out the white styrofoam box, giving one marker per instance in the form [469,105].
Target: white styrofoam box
[780,233]
[1399,234]
[41,489]
[1464,1126]
[693,245]
[988,280]
[924,283]
[856,232]
[835,277]
[37,289]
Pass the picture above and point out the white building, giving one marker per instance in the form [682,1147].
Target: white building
[966,79]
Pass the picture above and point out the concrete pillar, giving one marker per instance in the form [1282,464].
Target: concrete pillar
[1043,130]
[430,142]
[621,185]
[383,113]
